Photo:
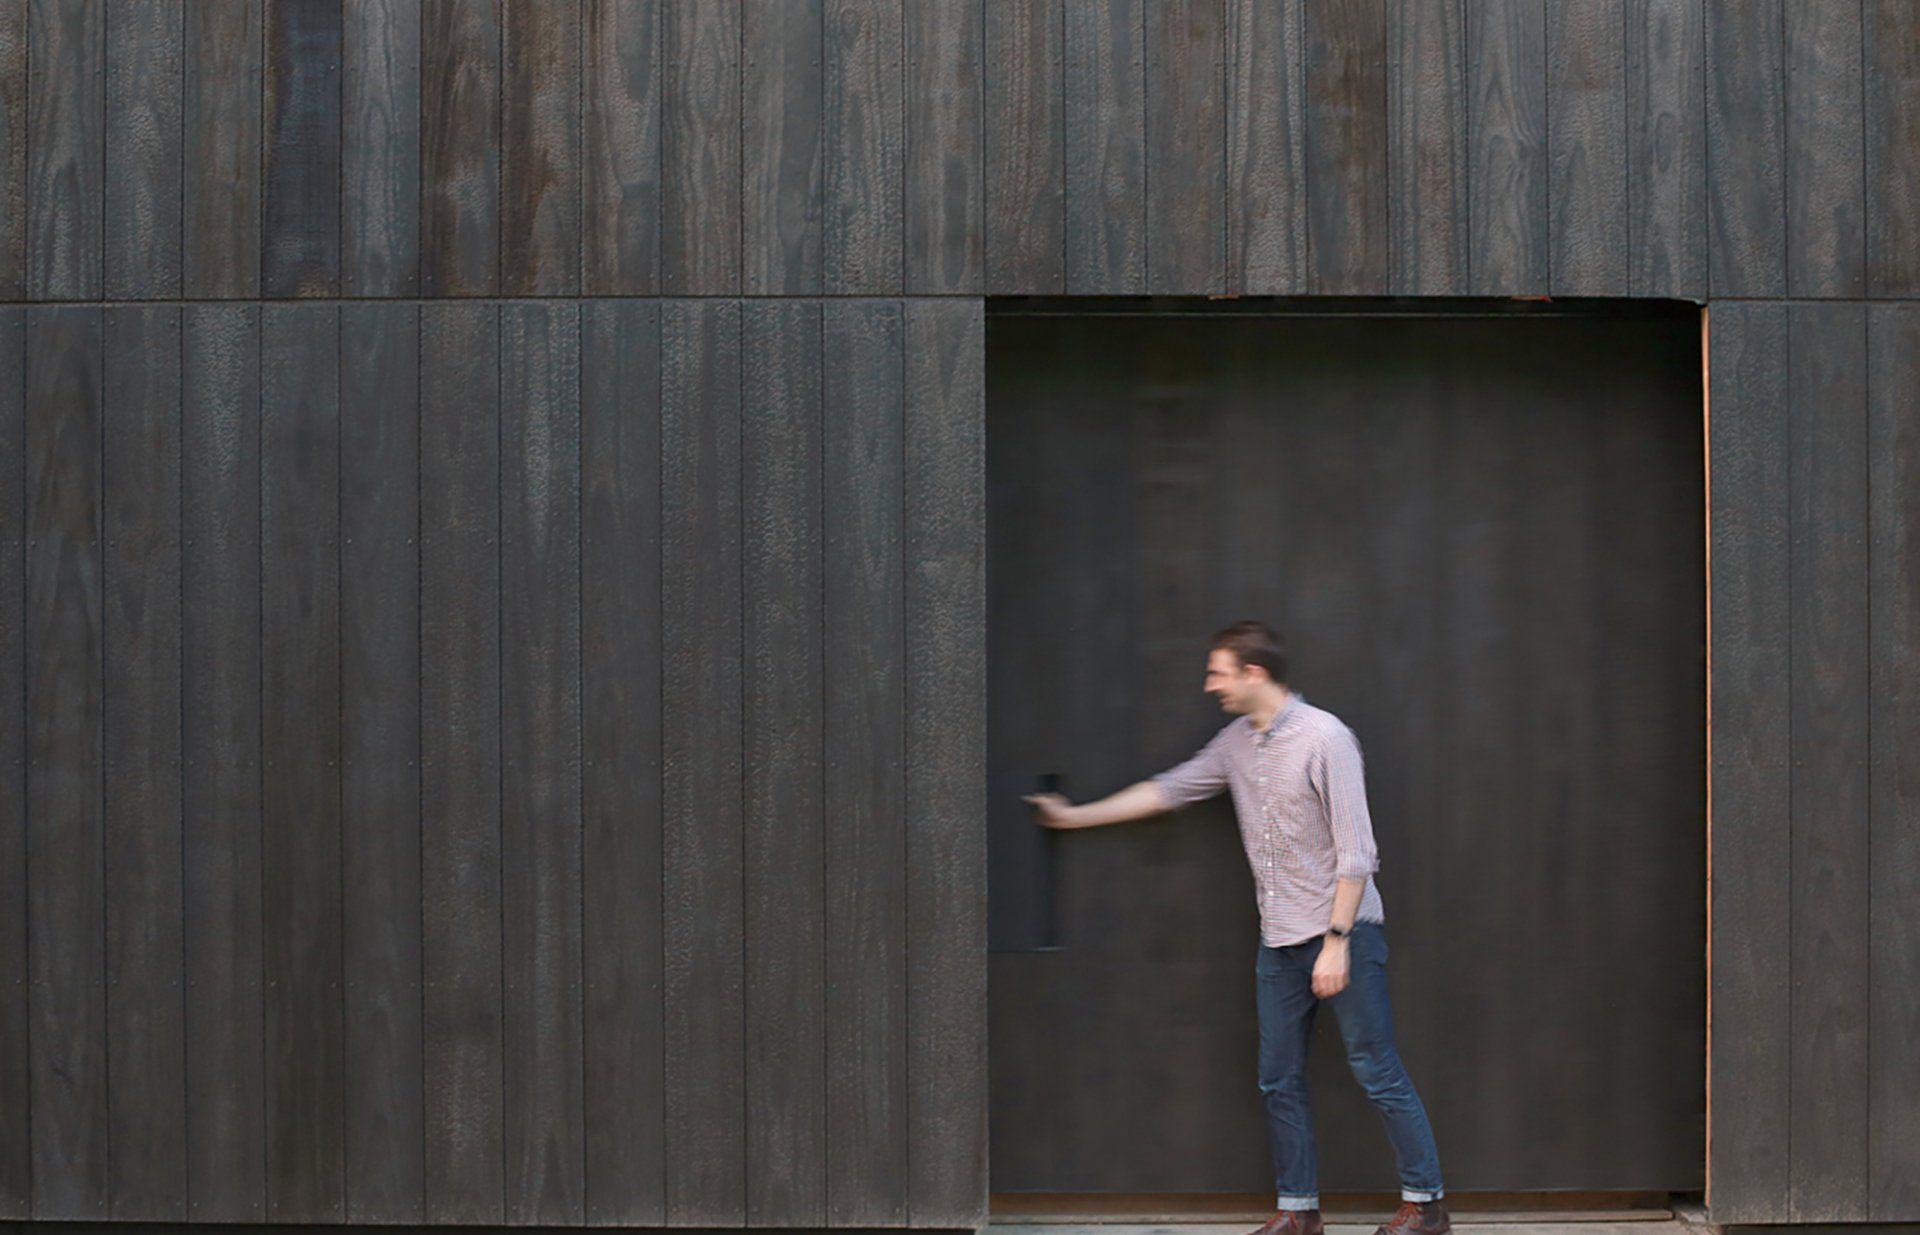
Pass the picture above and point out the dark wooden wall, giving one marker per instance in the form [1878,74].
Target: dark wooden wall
[1761,153]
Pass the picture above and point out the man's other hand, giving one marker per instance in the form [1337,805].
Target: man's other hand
[1330,971]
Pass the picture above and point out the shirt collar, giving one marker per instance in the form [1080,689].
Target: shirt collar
[1285,712]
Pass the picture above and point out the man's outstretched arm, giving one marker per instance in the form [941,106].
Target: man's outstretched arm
[1134,802]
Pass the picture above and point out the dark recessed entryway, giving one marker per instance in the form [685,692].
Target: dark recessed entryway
[1483,537]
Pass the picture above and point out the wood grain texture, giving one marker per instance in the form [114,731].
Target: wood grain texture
[380,148]
[1892,45]
[16,1152]
[1105,148]
[620,133]
[863,165]
[782,444]
[13,149]
[300,155]
[1509,231]
[1825,140]
[220,738]
[460,70]
[1587,146]
[621,718]
[1025,146]
[1427,151]
[946,725]
[380,760]
[1666,149]
[66,148]
[945,189]
[145,79]
[702,818]
[1186,49]
[302,927]
[1746,148]
[1347,138]
[865,778]
[540,151]
[220,193]
[540,826]
[146,979]
[783,147]
[1893,1016]
[1266,151]
[66,763]
[700,158]
[460,753]
[1829,664]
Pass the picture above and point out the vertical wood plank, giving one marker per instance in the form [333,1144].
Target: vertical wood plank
[302,927]
[1186,147]
[220,797]
[13,149]
[300,243]
[620,130]
[781,150]
[1427,147]
[620,652]
[380,760]
[221,191]
[701,762]
[1106,148]
[65,765]
[1746,148]
[700,147]
[460,148]
[865,780]
[786,823]
[1893,427]
[146,1015]
[945,606]
[1507,126]
[1346,169]
[145,78]
[1829,690]
[1025,152]
[460,752]
[945,147]
[1751,774]
[1892,40]
[1666,148]
[1587,146]
[863,172]
[66,148]
[540,151]
[540,774]
[380,148]
[1825,136]
[1266,152]
[16,1152]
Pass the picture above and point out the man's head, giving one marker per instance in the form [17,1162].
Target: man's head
[1246,666]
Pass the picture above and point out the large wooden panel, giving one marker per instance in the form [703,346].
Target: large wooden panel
[1507,148]
[1427,156]
[621,719]
[1186,147]
[1346,111]
[540,826]
[1746,148]
[945,155]
[1025,146]
[16,1153]
[460,753]
[863,119]
[146,1100]
[1587,146]
[1825,149]
[700,192]
[380,148]
[782,446]
[13,148]
[1892,44]
[1266,151]
[220,739]
[460,147]
[380,783]
[145,49]
[620,129]
[1666,148]
[66,148]
[540,182]
[1105,147]
[300,150]
[782,148]
[220,189]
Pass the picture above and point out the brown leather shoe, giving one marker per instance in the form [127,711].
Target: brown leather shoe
[1417,1218]
[1293,1222]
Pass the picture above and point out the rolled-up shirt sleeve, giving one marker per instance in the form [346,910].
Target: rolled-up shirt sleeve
[1342,785]
[1199,778]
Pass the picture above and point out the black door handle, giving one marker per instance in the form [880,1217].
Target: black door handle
[1049,877]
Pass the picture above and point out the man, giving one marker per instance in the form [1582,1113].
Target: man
[1296,777]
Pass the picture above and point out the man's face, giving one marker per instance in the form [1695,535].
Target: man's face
[1230,682]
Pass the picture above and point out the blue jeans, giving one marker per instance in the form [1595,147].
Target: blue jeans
[1284,990]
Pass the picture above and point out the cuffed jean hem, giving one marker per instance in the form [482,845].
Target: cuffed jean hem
[1299,1203]
[1410,1194]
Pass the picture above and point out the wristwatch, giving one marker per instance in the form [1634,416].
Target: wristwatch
[1337,933]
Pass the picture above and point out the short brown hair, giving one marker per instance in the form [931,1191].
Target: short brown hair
[1255,643]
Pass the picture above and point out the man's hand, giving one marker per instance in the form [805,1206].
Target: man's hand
[1330,971]
[1051,810]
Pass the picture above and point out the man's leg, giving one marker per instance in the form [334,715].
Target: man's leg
[1286,1003]
[1366,1023]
